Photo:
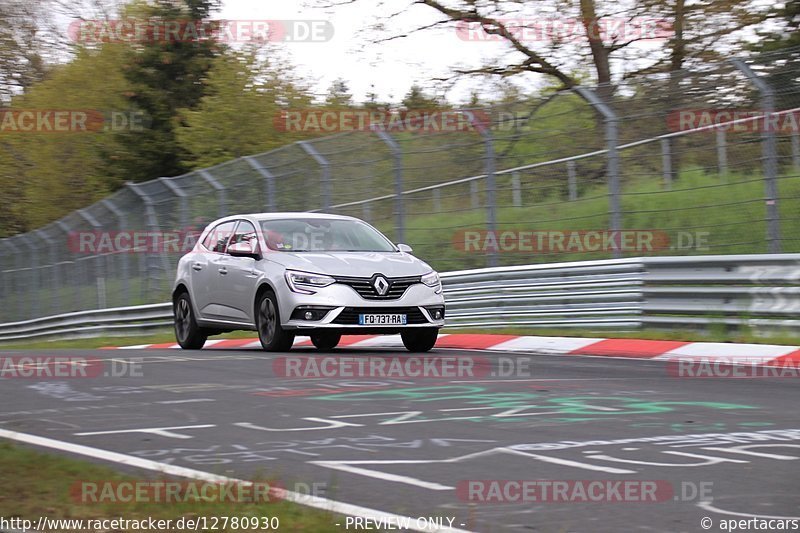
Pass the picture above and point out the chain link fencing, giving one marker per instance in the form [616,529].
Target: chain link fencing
[702,161]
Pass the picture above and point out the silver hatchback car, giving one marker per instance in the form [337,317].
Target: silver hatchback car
[321,275]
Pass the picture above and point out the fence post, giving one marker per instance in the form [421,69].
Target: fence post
[572,181]
[55,284]
[73,265]
[182,198]
[151,263]
[611,122]
[35,286]
[491,184]
[269,181]
[666,163]
[770,156]
[325,173]
[722,152]
[795,150]
[516,190]
[124,256]
[101,278]
[9,285]
[220,188]
[399,207]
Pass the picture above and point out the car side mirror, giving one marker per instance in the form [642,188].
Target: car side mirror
[406,249]
[243,249]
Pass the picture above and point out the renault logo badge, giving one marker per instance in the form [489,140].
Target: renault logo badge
[380,285]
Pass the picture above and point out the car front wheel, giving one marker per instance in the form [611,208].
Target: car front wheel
[268,320]
[419,340]
[189,335]
[325,341]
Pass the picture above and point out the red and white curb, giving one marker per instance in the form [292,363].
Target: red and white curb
[762,354]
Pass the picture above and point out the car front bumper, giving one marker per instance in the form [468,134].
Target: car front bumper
[343,304]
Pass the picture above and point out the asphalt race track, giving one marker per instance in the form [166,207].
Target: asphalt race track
[420,446]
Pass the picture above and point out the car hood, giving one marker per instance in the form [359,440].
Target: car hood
[354,264]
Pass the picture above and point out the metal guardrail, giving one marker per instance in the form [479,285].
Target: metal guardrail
[761,292]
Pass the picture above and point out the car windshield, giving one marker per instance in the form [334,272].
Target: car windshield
[323,235]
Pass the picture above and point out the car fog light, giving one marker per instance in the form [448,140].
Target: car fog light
[437,314]
[309,315]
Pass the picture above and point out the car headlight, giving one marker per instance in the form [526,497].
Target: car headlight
[432,280]
[305,282]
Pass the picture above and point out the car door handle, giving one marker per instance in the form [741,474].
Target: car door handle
[223,271]
[197,266]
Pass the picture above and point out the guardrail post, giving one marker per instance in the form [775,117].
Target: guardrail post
[770,156]
[397,166]
[220,188]
[722,152]
[612,139]
[124,256]
[269,182]
[572,181]
[491,185]
[325,173]
[666,163]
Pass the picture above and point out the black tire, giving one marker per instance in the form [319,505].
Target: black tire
[326,340]
[189,335]
[268,322]
[419,340]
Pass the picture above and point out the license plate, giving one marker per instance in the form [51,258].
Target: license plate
[382,320]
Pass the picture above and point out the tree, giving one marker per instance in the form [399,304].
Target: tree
[52,174]
[339,94]
[238,116]
[165,76]
[21,47]
[417,100]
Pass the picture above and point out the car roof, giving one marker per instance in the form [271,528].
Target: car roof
[279,216]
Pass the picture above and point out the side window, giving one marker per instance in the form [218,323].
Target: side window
[217,238]
[245,232]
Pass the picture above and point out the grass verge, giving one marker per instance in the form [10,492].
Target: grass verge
[38,484]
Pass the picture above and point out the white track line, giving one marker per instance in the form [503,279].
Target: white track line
[146,464]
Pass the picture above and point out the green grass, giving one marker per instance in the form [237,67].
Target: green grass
[37,484]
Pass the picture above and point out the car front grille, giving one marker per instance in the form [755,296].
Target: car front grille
[349,316]
[364,288]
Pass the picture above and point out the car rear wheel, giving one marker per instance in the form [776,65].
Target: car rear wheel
[325,340]
[419,340]
[268,321]
[189,335]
